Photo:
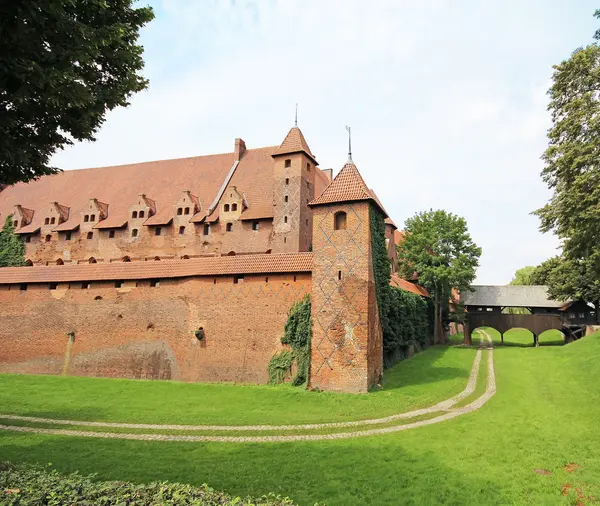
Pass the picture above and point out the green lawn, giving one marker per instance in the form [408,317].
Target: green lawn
[546,414]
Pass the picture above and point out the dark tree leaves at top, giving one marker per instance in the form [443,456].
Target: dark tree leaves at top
[63,65]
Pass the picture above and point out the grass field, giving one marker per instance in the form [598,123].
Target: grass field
[545,415]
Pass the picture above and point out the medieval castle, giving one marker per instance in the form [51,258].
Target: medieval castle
[186,269]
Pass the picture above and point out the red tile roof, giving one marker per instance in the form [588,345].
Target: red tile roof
[28,229]
[347,186]
[211,266]
[398,236]
[257,213]
[294,142]
[407,286]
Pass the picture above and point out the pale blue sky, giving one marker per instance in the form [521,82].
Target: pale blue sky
[446,99]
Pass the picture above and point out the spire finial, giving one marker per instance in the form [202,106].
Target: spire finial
[348,129]
[296,119]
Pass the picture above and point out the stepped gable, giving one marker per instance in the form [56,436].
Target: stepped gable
[347,186]
[294,142]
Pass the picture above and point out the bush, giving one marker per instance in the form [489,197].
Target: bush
[35,485]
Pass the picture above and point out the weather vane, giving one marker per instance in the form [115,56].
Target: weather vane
[349,144]
[296,120]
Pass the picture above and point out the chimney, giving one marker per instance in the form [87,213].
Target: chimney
[329,174]
[240,149]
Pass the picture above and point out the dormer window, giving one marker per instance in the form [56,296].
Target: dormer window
[52,220]
[93,217]
[15,223]
[46,221]
[86,218]
[226,208]
[288,163]
[186,210]
[134,215]
[142,214]
[234,207]
[179,211]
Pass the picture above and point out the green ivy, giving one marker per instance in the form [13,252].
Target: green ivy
[297,335]
[406,318]
[12,248]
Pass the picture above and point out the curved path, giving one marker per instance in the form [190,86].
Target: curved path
[447,406]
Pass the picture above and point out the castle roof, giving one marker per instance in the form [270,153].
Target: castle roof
[294,142]
[117,187]
[347,186]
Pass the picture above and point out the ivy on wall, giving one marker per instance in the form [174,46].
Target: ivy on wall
[406,318]
[12,248]
[297,335]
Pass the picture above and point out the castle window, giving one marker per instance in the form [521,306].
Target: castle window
[181,230]
[23,286]
[46,222]
[284,240]
[308,167]
[27,238]
[340,220]
[179,211]
[285,219]
[186,210]
[294,279]
[185,257]
[85,285]
[52,220]
[134,232]
[60,262]
[92,217]
[288,163]
[286,198]
[339,275]
[134,214]
[156,258]
[234,207]
[226,208]
[287,181]
[48,238]
[237,278]
[255,225]
[52,286]
[118,284]
[266,279]
[68,236]
[206,229]
[157,231]
[29,263]
[154,282]
[90,235]
[92,260]
[141,215]
[229,227]
[231,254]
[126,259]
[111,234]
[86,218]
[15,223]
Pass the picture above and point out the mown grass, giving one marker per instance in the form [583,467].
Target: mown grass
[422,381]
[545,415]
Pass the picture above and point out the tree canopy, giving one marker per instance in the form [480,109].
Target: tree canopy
[12,248]
[523,276]
[439,249]
[63,65]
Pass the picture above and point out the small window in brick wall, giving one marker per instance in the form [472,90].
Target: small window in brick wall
[134,232]
[23,286]
[186,210]
[68,236]
[229,227]
[340,220]
[255,225]
[85,285]
[179,211]
[206,229]
[226,208]
[27,238]
[181,230]
[46,222]
[286,198]
[48,238]
[134,215]
[92,217]
[111,234]
[118,284]
[157,231]
[142,214]
[285,219]
[234,207]
[287,181]
[288,163]
[52,220]
[53,286]
[154,282]
[86,218]
[90,235]
[237,278]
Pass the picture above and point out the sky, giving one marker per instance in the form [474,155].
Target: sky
[446,100]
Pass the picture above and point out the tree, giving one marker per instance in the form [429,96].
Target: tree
[63,65]
[523,276]
[12,248]
[438,248]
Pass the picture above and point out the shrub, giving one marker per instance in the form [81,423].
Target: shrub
[26,485]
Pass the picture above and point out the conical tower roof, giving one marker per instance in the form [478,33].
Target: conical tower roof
[347,186]
[294,142]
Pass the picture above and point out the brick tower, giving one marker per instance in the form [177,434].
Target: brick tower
[347,343]
[293,189]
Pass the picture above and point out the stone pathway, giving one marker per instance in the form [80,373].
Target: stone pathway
[446,406]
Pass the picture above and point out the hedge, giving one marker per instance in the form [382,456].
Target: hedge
[36,486]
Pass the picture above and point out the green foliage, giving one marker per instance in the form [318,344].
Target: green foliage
[437,246]
[64,64]
[382,273]
[12,248]
[523,276]
[35,485]
[297,335]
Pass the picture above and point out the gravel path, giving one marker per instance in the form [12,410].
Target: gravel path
[442,406]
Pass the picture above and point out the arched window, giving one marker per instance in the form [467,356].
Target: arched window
[340,220]
[186,210]
[156,258]
[185,257]
[29,263]
[179,211]
[226,208]
[48,238]
[52,220]
[86,218]
[46,221]
[234,207]
[134,214]
[60,262]
[90,235]
[229,227]
[92,260]
[231,254]
[142,214]
[92,217]
[126,259]
[15,224]
[134,232]
[181,230]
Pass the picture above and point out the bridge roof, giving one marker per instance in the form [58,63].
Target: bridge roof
[510,296]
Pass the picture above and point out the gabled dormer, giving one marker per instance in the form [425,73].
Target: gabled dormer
[187,206]
[94,212]
[142,209]
[54,215]
[232,204]
[22,216]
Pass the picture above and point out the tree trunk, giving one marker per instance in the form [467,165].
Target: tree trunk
[438,333]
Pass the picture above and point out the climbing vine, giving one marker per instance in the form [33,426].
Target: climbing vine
[406,318]
[12,248]
[297,335]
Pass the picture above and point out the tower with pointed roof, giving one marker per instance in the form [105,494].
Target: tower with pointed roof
[293,188]
[347,342]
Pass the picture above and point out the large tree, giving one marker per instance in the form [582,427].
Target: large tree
[438,248]
[63,65]
[523,276]
[12,248]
